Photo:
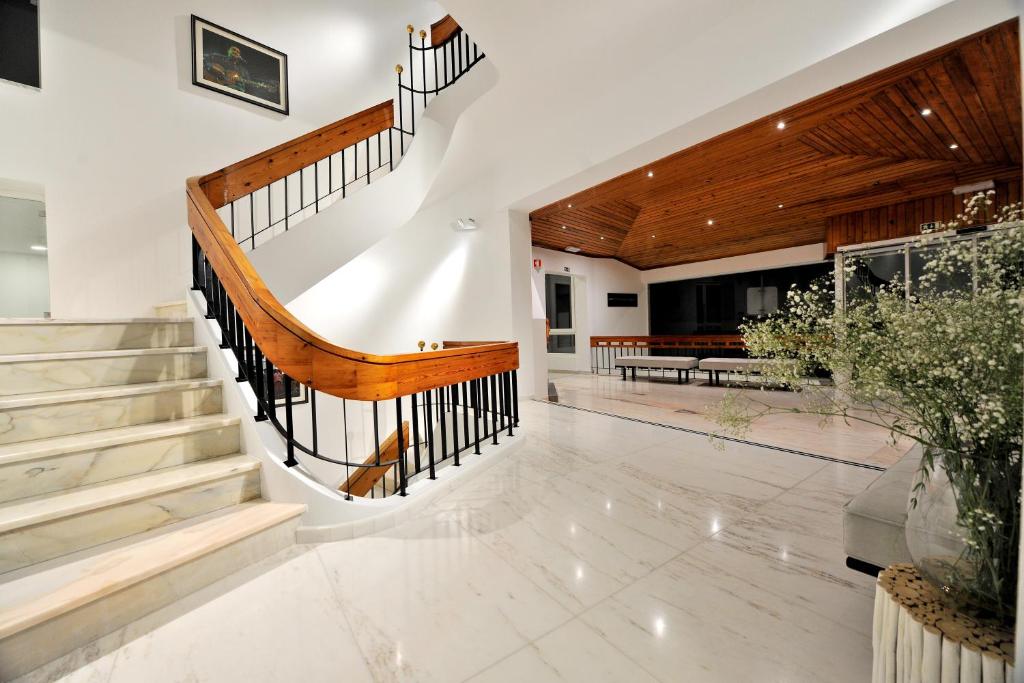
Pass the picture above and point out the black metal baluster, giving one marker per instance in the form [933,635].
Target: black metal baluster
[515,397]
[289,427]
[252,221]
[376,447]
[454,389]
[316,187]
[494,409]
[415,435]
[475,387]
[286,203]
[355,162]
[412,89]
[401,116]
[239,346]
[430,432]
[270,395]
[344,423]
[401,448]
[344,177]
[312,413]
[195,264]
[423,64]
[380,159]
[508,400]
[437,86]
[465,413]
[483,405]
[302,190]
[444,59]
[367,161]
[444,432]
[261,413]
[500,402]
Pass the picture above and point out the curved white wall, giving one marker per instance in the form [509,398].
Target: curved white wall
[118,126]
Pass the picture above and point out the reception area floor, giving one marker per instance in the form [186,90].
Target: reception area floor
[661,400]
[603,549]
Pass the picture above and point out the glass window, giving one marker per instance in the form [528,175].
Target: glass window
[562,343]
[957,281]
[872,271]
[19,41]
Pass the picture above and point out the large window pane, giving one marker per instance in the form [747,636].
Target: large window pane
[872,271]
[562,343]
[957,281]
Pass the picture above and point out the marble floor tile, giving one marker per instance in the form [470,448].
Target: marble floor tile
[428,602]
[573,653]
[604,549]
[696,620]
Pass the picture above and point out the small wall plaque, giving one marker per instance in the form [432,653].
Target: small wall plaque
[622,300]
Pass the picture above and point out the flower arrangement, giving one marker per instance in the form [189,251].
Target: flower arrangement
[942,367]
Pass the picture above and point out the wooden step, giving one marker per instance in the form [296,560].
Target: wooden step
[58,413]
[27,373]
[32,335]
[32,468]
[59,608]
[37,529]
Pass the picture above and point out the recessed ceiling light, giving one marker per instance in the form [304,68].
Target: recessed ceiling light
[563,227]
[570,206]
[780,206]
[650,174]
[926,112]
[602,238]
[710,222]
[37,247]
[780,125]
[652,237]
[954,146]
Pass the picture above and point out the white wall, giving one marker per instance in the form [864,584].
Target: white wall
[24,285]
[598,277]
[118,126]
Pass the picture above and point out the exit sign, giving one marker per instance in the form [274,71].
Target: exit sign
[928,227]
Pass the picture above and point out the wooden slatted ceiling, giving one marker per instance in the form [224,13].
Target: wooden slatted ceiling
[860,146]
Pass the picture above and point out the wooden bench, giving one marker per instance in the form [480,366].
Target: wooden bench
[680,364]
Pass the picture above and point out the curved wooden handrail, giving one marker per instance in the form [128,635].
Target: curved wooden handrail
[443,29]
[311,359]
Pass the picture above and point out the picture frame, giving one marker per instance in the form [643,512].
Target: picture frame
[231,64]
[300,392]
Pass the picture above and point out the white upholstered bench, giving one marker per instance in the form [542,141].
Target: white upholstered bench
[680,364]
[716,366]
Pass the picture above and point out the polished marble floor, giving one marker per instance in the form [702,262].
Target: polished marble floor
[660,399]
[604,549]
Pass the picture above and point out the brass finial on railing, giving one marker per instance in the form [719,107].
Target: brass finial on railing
[433,347]
[421,344]
[423,34]
[409,28]
[399,69]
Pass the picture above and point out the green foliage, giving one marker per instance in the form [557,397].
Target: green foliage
[943,368]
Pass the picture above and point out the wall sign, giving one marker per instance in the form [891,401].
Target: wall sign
[238,67]
[536,263]
[622,300]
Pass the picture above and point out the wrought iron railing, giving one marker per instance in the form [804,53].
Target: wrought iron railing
[255,217]
[443,404]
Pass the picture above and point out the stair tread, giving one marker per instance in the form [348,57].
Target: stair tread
[35,598]
[48,507]
[104,438]
[112,353]
[93,393]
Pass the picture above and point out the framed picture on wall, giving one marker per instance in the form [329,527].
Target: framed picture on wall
[300,392]
[239,67]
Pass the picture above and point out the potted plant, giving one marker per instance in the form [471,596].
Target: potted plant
[942,367]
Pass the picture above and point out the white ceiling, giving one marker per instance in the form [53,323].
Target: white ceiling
[589,89]
[21,225]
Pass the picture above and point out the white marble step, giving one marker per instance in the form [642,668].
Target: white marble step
[32,468]
[32,335]
[57,413]
[172,309]
[37,529]
[25,373]
[50,612]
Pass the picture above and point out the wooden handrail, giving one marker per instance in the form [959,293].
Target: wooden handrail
[311,359]
[443,29]
[290,345]
[246,176]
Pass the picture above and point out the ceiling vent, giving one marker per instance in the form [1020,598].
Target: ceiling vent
[573,250]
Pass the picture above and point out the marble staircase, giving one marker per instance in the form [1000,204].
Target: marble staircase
[122,488]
